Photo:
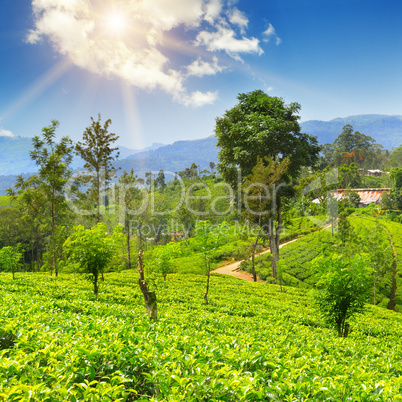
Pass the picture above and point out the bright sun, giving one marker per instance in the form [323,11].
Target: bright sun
[116,23]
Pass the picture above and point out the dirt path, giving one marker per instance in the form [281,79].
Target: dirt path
[233,269]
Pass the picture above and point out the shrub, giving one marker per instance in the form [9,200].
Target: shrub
[343,290]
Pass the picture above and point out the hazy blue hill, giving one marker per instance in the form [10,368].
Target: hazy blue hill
[174,157]
[14,152]
[386,130]
[126,152]
[15,160]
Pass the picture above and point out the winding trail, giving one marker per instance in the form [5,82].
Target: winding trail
[233,269]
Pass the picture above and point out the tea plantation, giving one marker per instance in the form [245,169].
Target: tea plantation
[251,343]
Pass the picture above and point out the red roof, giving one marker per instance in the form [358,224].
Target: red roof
[367,195]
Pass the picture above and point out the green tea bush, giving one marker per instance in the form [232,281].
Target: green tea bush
[251,343]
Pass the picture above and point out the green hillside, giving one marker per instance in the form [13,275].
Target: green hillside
[252,343]
[297,259]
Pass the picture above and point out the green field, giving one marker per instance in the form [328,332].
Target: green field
[252,343]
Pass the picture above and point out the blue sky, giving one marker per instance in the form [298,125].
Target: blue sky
[162,70]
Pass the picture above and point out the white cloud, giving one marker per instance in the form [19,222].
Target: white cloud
[200,68]
[198,98]
[137,50]
[6,133]
[213,10]
[225,39]
[236,17]
[271,33]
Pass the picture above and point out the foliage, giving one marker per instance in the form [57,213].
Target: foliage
[32,205]
[10,258]
[53,160]
[6,202]
[208,241]
[92,250]
[395,159]
[261,207]
[396,190]
[164,259]
[349,176]
[354,148]
[343,289]
[129,198]
[259,126]
[97,152]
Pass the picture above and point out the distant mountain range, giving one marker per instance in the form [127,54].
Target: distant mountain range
[174,157]
[14,152]
[15,160]
[386,130]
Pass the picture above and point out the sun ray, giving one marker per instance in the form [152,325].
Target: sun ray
[133,116]
[37,88]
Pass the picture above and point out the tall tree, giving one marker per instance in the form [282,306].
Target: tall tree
[160,180]
[98,153]
[260,207]
[212,167]
[354,147]
[395,159]
[258,126]
[129,198]
[31,202]
[262,126]
[53,160]
[395,193]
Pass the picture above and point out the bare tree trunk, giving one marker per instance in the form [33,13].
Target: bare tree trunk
[254,249]
[391,304]
[96,289]
[54,262]
[37,255]
[140,235]
[149,296]
[375,299]
[128,249]
[275,237]
[208,276]
[98,185]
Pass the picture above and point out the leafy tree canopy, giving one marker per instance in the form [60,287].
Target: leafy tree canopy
[262,126]
[354,147]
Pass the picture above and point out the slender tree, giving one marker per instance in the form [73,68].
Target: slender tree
[98,153]
[129,198]
[31,202]
[53,160]
[260,203]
